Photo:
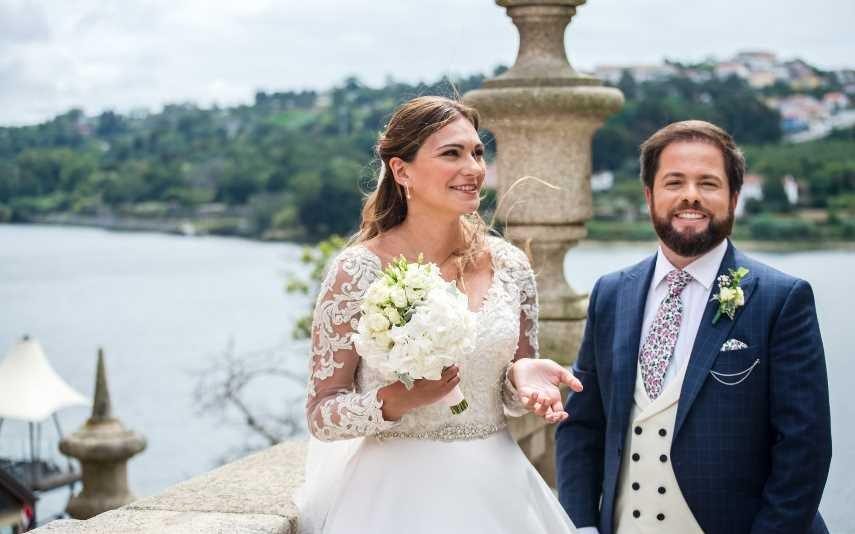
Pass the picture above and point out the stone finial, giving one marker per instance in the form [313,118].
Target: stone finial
[541,58]
[103,446]
[101,408]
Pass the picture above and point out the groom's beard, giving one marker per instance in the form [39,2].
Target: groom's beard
[692,244]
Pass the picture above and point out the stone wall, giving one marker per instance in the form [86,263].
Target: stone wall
[250,496]
[253,495]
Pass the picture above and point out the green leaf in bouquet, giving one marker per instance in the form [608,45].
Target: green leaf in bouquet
[406,380]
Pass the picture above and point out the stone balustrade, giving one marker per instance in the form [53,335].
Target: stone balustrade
[253,495]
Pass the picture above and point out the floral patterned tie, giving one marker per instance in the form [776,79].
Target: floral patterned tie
[659,344]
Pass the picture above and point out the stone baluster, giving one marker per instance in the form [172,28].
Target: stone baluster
[543,115]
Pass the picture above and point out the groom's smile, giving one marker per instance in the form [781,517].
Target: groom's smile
[694,220]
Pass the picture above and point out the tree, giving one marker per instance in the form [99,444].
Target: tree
[774,196]
[224,390]
[110,124]
[627,85]
[224,387]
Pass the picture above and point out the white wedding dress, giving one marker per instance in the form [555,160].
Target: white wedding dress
[431,472]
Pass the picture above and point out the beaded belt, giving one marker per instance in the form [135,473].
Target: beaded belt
[447,433]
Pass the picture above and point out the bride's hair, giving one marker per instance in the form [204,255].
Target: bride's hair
[411,124]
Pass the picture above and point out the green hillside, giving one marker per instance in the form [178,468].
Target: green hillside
[294,165]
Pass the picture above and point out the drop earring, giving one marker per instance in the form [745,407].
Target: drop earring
[407,189]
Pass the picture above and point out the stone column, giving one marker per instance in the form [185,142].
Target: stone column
[103,447]
[543,115]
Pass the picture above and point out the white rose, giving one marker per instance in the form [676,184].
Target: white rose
[740,297]
[726,294]
[398,296]
[418,278]
[393,315]
[414,295]
[383,340]
[362,325]
[377,322]
[377,294]
[368,309]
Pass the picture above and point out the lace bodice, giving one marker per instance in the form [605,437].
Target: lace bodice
[342,394]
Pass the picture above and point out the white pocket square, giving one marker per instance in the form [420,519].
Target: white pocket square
[734,344]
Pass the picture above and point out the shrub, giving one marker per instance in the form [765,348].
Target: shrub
[770,228]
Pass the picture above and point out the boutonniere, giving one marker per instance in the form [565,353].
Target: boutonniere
[730,295]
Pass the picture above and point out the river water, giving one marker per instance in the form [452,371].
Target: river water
[163,307]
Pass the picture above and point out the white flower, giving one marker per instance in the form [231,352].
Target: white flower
[361,326]
[726,294]
[420,277]
[740,296]
[377,294]
[398,296]
[393,315]
[414,295]
[383,340]
[370,309]
[377,322]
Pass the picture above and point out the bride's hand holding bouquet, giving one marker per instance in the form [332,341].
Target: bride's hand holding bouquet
[415,327]
[398,400]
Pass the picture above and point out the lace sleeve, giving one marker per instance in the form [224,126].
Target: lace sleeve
[527,347]
[335,408]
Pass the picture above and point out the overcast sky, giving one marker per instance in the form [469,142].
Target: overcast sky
[131,54]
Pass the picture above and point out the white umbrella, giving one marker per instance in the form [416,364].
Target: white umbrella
[29,387]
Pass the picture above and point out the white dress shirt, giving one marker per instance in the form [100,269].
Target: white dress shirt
[695,297]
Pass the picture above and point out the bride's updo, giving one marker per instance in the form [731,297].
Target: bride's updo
[411,124]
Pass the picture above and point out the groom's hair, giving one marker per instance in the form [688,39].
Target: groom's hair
[702,131]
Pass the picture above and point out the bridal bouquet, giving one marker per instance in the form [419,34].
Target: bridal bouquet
[414,324]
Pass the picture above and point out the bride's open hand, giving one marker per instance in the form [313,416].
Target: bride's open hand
[537,382]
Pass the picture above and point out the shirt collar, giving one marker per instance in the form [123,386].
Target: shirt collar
[702,269]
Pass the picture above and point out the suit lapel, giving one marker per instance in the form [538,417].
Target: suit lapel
[630,315]
[711,336]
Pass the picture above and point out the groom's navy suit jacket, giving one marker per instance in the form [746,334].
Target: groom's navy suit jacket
[752,457]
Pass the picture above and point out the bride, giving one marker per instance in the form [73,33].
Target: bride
[385,459]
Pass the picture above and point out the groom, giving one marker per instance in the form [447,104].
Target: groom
[698,414]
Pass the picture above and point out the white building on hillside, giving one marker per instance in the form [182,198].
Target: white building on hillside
[640,73]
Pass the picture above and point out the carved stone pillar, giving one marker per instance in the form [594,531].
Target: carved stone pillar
[103,447]
[543,115]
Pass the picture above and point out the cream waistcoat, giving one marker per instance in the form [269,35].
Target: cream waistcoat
[649,499]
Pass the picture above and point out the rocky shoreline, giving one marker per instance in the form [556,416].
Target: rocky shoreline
[241,228]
